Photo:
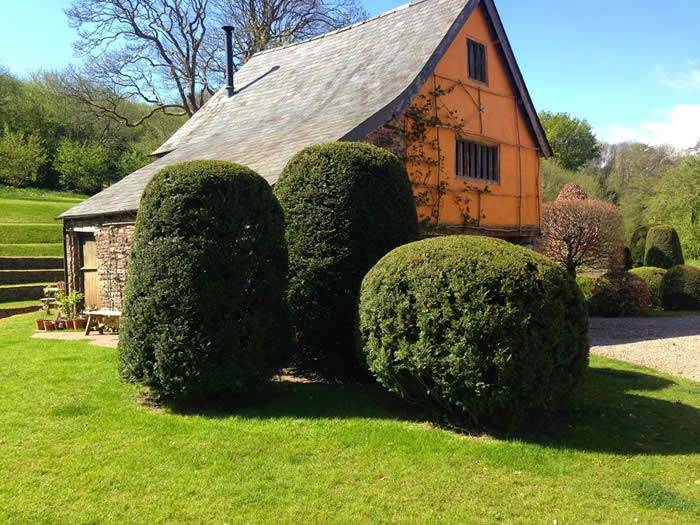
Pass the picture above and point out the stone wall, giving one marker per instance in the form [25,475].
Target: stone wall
[113,238]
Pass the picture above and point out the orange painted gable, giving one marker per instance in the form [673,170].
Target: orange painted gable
[452,107]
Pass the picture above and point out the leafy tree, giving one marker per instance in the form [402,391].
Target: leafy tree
[583,232]
[21,157]
[554,178]
[572,139]
[83,167]
[676,201]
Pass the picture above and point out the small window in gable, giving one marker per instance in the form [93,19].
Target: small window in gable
[477,61]
[477,161]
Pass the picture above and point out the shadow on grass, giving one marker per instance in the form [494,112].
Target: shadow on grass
[610,417]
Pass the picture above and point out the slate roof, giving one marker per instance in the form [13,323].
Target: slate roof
[338,86]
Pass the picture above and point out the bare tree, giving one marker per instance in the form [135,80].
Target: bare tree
[262,24]
[580,232]
[169,53]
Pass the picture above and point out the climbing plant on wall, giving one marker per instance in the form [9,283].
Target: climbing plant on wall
[427,164]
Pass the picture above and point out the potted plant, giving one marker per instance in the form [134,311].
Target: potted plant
[49,325]
[76,323]
[64,306]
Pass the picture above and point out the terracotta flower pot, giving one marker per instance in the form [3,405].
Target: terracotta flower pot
[49,326]
[61,325]
[70,324]
[79,324]
[40,324]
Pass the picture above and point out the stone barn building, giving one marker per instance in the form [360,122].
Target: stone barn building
[434,81]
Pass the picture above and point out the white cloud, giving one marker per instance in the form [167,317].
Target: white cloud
[686,80]
[678,127]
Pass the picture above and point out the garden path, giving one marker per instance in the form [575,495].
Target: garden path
[669,344]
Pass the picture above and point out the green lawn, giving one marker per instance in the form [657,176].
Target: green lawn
[18,304]
[28,225]
[694,262]
[31,250]
[77,446]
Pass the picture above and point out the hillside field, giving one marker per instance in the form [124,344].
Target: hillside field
[28,225]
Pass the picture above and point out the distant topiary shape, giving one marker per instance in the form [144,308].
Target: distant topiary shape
[346,205]
[572,192]
[475,328]
[653,277]
[680,288]
[204,313]
[663,247]
[638,241]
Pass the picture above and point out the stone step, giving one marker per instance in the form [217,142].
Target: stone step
[22,292]
[30,276]
[31,263]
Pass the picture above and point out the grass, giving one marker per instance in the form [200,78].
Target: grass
[28,225]
[18,304]
[32,250]
[82,448]
[30,233]
[694,262]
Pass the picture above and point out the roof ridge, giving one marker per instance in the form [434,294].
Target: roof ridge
[343,29]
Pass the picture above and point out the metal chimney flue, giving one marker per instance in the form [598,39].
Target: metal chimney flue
[229,60]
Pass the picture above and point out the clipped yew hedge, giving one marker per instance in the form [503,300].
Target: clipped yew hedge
[204,311]
[475,328]
[680,288]
[663,247]
[346,205]
[619,294]
[652,277]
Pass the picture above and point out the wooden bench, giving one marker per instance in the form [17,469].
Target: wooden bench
[100,319]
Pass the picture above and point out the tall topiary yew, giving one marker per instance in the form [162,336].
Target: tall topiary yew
[346,205]
[663,247]
[204,313]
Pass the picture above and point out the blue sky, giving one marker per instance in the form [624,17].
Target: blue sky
[631,67]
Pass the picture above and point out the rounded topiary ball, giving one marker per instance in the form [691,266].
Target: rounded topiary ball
[652,277]
[619,294]
[204,312]
[346,205]
[663,247]
[680,288]
[475,327]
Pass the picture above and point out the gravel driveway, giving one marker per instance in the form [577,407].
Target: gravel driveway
[669,344]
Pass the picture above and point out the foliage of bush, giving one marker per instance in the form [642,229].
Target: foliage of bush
[21,157]
[680,288]
[204,312]
[346,205]
[653,277]
[663,247]
[474,327]
[619,294]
